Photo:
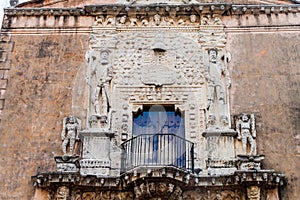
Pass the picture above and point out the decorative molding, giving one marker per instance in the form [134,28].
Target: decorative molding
[121,9]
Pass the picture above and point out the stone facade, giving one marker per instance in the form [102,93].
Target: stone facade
[75,82]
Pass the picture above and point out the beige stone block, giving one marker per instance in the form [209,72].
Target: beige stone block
[2,104]
[5,65]
[3,83]
[2,92]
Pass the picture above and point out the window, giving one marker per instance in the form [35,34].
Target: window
[158,119]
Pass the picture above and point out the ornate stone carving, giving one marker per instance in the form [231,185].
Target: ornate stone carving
[62,193]
[67,163]
[211,32]
[89,196]
[157,189]
[209,20]
[245,127]
[251,162]
[138,59]
[107,21]
[69,135]
[155,20]
[253,193]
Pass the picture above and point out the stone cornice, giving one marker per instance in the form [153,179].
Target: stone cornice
[182,178]
[152,9]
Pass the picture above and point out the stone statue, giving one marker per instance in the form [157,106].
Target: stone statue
[100,97]
[71,127]
[245,126]
[215,75]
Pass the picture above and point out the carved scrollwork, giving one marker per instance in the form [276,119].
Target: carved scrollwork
[209,20]
[157,189]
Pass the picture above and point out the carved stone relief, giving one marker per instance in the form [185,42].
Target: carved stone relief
[62,193]
[245,127]
[179,64]
[69,135]
[155,190]
[253,193]
[156,20]
[213,194]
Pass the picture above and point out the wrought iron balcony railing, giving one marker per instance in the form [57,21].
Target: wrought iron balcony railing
[158,150]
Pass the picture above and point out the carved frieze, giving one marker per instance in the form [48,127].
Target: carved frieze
[155,20]
[157,190]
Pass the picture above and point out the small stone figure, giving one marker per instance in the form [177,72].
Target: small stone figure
[215,73]
[245,126]
[71,126]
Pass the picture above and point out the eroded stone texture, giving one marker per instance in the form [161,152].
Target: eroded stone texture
[102,74]
[41,82]
[270,89]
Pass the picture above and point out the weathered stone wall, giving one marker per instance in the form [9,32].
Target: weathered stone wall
[265,80]
[40,91]
[39,95]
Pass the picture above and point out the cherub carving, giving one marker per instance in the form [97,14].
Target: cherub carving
[69,135]
[245,126]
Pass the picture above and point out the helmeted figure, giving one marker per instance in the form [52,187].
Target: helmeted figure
[245,127]
[69,135]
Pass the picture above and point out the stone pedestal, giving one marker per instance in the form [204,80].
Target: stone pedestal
[96,153]
[221,157]
[67,163]
[249,162]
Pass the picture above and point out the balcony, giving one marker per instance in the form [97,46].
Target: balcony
[155,150]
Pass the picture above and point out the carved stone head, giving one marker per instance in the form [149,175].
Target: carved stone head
[211,121]
[213,54]
[104,55]
[245,117]
[193,18]
[93,122]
